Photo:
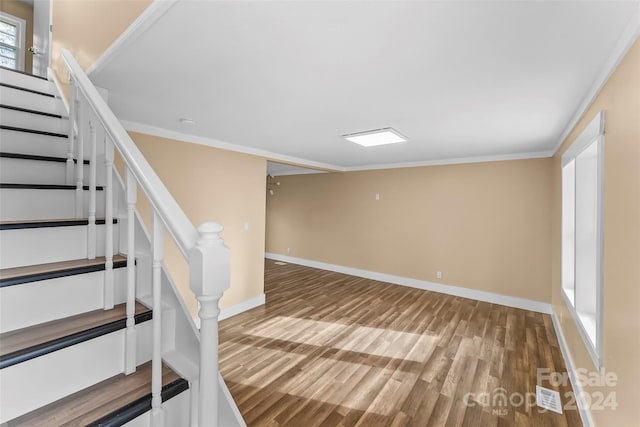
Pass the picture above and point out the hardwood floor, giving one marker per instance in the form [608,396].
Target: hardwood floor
[335,350]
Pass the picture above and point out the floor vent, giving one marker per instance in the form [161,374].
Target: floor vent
[548,399]
[280,263]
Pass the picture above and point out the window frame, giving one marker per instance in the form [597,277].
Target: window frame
[21,26]
[593,133]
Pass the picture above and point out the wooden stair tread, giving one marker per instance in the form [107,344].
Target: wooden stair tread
[30,111]
[7,274]
[56,159]
[104,400]
[51,336]
[44,223]
[18,186]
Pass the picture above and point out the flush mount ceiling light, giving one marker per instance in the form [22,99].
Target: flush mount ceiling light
[372,138]
[187,121]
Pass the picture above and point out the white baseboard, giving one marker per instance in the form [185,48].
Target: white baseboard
[525,304]
[235,309]
[585,414]
[243,306]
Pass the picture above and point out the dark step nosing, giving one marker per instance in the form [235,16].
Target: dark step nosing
[37,92]
[39,158]
[134,409]
[26,354]
[38,132]
[73,271]
[24,73]
[45,186]
[30,111]
[49,224]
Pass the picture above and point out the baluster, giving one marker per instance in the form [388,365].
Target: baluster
[130,349]
[209,263]
[72,132]
[157,416]
[91,230]
[80,156]
[108,224]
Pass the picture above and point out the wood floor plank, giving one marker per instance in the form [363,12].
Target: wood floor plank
[330,349]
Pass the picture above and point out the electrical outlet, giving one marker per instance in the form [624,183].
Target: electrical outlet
[439,275]
[288,251]
[377,196]
[246,226]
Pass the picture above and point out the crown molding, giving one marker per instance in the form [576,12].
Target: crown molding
[318,167]
[142,23]
[454,161]
[624,43]
[211,142]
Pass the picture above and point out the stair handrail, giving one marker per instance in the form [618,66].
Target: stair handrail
[203,248]
[173,217]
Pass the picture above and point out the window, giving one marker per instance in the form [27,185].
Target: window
[12,41]
[582,172]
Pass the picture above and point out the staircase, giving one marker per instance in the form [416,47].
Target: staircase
[92,329]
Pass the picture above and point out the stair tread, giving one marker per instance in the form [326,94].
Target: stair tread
[51,267]
[43,223]
[31,111]
[37,92]
[34,336]
[38,157]
[23,73]
[103,400]
[13,185]
[39,132]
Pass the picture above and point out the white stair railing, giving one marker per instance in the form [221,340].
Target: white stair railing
[92,122]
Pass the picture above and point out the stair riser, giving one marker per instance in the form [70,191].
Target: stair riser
[30,143]
[175,412]
[33,121]
[25,171]
[32,101]
[17,247]
[29,82]
[21,204]
[31,303]
[29,385]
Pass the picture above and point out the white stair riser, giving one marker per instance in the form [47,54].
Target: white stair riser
[28,82]
[25,171]
[32,303]
[31,143]
[21,204]
[37,382]
[31,101]
[18,246]
[176,411]
[39,122]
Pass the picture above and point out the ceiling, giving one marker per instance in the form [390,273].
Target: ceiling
[462,80]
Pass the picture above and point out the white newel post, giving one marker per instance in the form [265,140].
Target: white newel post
[108,224]
[209,277]
[130,343]
[72,133]
[157,241]
[91,229]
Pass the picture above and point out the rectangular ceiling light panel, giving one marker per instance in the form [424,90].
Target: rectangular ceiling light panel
[372,138]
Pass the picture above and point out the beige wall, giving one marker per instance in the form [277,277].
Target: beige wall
[88,28]
[21,10]
[620,98]
[486,226]
[211,184]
